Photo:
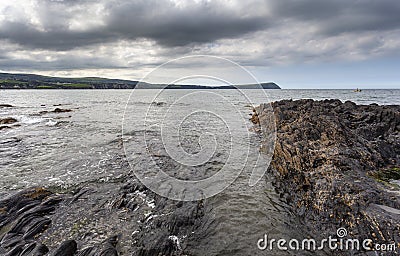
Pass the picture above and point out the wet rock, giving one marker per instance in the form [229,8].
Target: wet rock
[329,160]
[37,227]
[15,251]
[254,117]
[108,247]
[10,240]
[23,218]
[28,248]
[20,204]
[157,244]
[159,104]
[6,106]
[67,248]
[56,110]
[40,250]
[90,251]
[61,110]
[8,120]
[34,249]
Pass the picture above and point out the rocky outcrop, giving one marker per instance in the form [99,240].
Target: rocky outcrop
[8,120]
[24,216]
[56,110]
[61,110]
[39,222]
[327,162]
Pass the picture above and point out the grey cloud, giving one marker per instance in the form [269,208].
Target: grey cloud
[173,26]
[29,36]
[61,63]
[162,21]
[340,16]
[193,28]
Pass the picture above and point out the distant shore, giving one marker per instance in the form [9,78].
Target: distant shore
[31,81]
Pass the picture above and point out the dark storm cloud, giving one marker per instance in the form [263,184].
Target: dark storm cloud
[161,21]
[339,16]
[28,35]
[172,25]
[78,28]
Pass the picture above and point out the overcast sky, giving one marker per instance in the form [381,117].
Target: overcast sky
[295,43]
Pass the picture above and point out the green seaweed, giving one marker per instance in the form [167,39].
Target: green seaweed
[386,176]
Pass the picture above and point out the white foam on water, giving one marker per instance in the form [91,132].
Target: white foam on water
[176,241]
[51,123]
[29,119]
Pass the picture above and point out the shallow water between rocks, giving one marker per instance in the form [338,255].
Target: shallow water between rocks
[86,146]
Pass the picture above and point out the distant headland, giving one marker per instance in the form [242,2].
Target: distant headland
[32,81]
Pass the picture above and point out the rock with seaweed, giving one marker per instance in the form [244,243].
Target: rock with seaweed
[8,120]
[329,162]
[23,217]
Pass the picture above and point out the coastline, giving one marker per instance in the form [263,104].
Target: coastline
[334,164]
[329,166]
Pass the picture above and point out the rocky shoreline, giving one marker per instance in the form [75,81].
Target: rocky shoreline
[131,220]
[334,163]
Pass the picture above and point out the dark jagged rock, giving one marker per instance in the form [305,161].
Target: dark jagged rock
[109,252]
[90,251]
[61,110]
[11,239]
[254,117]
[20,203]
[34,249]
[37,227]
[108,247]
[162,235]
[8,120]
[15,251]
[40,250]
[28,248]
[66,248]
[56,110]
[22,218]
[326,156]
[165,227]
